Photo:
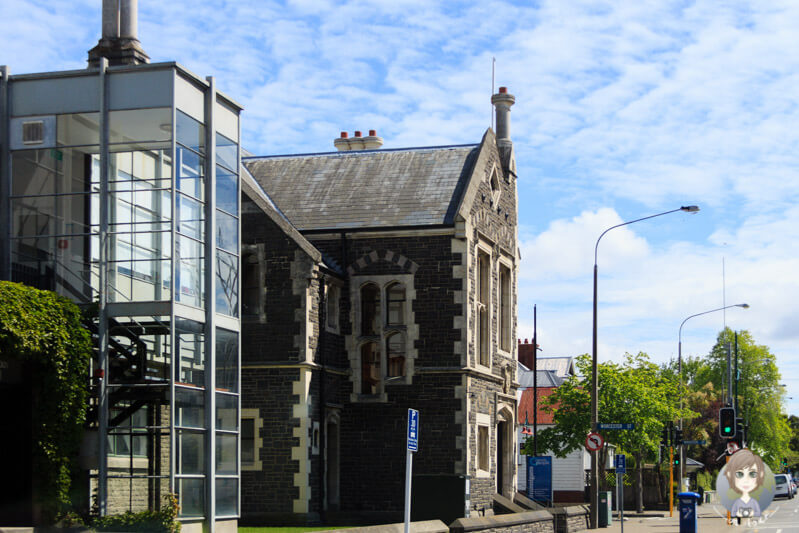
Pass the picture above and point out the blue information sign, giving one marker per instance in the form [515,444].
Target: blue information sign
[621,463]
[539,478]
[413,430]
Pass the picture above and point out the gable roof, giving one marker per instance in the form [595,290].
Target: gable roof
[545,378]
[370,188]
[526,407]
[563,366]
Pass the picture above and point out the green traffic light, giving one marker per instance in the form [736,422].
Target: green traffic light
[727,429]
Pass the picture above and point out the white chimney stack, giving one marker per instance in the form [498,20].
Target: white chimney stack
[119,42]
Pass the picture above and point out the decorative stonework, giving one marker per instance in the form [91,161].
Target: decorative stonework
[389,256]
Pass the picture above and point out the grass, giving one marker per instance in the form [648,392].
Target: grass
[285,529]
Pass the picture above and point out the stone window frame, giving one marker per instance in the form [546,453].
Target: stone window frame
[483,421]
[482,248]
[502,333]
[258,441]
[409,329]
[333,290]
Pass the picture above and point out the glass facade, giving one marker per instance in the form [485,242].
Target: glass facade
[135,210]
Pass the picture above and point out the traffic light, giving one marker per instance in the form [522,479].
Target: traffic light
[677,460]
[784,461]
[727,422]
[665,436]
[678,437]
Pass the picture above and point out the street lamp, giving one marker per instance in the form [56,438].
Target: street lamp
[594,516]
[679,371]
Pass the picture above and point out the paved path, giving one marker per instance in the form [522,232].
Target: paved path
[781,517]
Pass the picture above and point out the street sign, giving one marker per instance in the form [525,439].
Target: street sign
[594,442]
[539,478]
[732,447]
[615,426]
[621,463]
[695,442]
[413,430]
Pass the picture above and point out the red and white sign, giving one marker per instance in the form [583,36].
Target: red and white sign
[594,442]
[732,447]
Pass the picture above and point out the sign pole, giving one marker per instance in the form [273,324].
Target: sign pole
[671,481]
[412,445]
[408,470]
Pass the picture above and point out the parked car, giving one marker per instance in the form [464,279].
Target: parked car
[783,486]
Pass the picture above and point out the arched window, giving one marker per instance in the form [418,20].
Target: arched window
[370,368]
[370,309]
[395,348]
[396,304]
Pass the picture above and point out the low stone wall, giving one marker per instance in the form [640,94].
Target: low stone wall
[528,522]
[570,519]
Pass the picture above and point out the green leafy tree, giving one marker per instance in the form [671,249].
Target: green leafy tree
[637,392]
[757,389]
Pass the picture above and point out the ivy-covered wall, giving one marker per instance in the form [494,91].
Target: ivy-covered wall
[43,331]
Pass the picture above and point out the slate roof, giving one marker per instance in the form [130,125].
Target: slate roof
[370,188]
[546,378]
[563,366]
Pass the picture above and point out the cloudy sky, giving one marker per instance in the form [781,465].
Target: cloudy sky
[623,110]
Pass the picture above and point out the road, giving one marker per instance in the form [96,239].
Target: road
[782,516]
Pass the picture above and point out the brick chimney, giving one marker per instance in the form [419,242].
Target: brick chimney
[526,353]
[119,42]
[357,142]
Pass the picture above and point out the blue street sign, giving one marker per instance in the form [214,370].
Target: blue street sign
[697,442]
[413,430]
[621,463]
[615,426]
[539,478]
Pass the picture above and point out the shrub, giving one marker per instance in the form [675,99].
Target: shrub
[162,521]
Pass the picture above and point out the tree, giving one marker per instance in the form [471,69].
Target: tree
[636,391]
[756,391]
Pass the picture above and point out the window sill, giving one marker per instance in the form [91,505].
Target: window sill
[483,473]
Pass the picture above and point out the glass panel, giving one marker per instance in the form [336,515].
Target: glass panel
[50,215]
[136,125]
[138,280]
[226,153]
[227,497]
[227,411]
[51,171]
[189,407]
[60,264]
[190,350]
[227,360]
[370,368]
[139,348]
[227,232]
[140,170]
[78,129]
[191,173]
[130,429]
[396,304]
[370,309]
[227,191]
[226,453]
[190,272]
[191,497]
[191,452]
[227,284]
[191,217]
[396,354]
[190,133]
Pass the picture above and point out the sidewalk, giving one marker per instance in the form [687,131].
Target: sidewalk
[712,519]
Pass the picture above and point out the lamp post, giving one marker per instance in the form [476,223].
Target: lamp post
[594,515]
[679,371]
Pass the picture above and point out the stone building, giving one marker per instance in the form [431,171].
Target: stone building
[374,281]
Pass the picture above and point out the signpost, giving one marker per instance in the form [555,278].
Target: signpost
[621,468]
[412,446]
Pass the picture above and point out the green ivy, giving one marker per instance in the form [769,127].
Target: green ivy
[43,330]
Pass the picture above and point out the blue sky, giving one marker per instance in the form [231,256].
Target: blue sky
[623,109]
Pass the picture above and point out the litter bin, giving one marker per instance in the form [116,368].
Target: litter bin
[605,513]
[688,520]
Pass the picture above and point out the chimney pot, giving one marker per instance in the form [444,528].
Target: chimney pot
[344,134]
[503,101]
[372,133]
[503,90]
[357,133]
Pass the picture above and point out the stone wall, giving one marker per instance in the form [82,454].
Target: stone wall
[529,522]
